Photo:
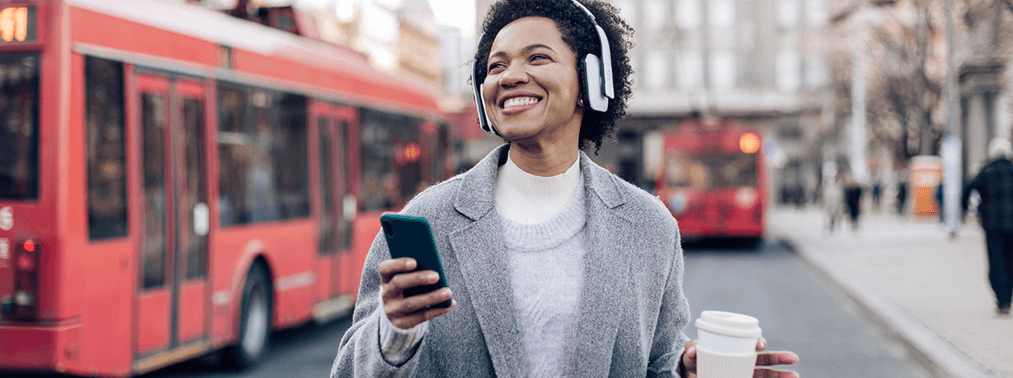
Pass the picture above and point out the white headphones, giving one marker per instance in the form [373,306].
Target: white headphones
[596,85]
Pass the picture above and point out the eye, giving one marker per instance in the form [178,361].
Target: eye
[495,67]
[538,57]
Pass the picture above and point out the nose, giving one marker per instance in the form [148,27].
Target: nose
[513,75]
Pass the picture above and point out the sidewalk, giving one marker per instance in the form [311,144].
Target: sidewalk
[907,274]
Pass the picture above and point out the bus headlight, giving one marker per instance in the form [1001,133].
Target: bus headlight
[745,198]
[24,298]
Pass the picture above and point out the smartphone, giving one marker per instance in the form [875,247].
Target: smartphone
[409,236]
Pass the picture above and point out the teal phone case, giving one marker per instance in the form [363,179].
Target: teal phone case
[409,236]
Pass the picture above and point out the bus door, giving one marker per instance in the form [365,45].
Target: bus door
[335,135]
[173,300]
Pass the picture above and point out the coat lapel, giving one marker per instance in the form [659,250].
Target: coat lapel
[481,255]
[605,270]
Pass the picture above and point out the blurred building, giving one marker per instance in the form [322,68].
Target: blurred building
[760,61]
[983,53]
[903,48]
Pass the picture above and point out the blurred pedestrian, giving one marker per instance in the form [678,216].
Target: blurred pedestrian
[994,185]
[535,237]
[902,189]
[877,192]
[853,200]
[833,200]
[938,193]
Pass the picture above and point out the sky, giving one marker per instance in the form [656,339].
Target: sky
[459,13]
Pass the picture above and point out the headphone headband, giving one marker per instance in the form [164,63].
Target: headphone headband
[596,85]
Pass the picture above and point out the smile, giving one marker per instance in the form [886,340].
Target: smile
[519,101]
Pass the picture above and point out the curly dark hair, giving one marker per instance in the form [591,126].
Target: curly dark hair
[580,35]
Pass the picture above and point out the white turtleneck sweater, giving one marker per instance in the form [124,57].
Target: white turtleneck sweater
[543,221]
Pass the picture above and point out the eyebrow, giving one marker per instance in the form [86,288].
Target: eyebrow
[524,50]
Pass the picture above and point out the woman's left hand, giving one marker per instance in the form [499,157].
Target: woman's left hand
[762,359]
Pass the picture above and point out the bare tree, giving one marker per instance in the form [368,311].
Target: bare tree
[906,104]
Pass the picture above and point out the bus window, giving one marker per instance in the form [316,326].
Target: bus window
[710,171]
[153,122]
[106,149]
[687,171]
[193,132]
[19,126]
[233,142]
[326,187]
[391,172]
[737,170]
[291,158]
[263,163]
[344,221]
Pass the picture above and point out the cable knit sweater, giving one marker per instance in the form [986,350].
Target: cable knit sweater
[543,222]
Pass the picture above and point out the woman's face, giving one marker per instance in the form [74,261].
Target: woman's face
[531,89]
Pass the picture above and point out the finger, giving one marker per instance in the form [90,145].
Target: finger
[689,356]
[388,268]
[761,344]
[397,284]
[776,358]
[770,373]
[433,312]
[409,312]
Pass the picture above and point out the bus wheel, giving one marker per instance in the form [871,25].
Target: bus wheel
[254,320]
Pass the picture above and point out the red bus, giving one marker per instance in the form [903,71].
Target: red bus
[176,182]
[713,179]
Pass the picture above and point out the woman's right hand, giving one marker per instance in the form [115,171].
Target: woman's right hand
[396,275]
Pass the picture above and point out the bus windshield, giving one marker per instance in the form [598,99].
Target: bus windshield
[710,171]
[19,126]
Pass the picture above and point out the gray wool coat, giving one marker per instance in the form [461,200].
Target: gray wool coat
[632,309]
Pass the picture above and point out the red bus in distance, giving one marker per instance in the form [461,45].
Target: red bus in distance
[176,182]
[712,178]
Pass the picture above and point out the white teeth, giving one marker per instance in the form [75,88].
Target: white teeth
[518,101]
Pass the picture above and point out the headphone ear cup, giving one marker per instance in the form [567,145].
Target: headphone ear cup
[483,118]
[591,84]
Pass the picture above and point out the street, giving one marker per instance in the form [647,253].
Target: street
[796,309]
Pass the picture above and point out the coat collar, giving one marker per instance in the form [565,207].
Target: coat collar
[481,255]
[475,196]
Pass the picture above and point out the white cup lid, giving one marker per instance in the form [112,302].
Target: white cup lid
[729,324]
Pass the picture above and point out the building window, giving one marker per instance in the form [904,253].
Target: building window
[721,14]
[787,13]
[657,69]
[656,13]
[816,13]
[815,70]
[722,73]
[690,69]
[788,69]
[745,67]
[687,14]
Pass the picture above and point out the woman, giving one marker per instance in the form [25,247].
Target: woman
[556,267]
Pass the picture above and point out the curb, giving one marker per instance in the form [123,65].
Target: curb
[934,354]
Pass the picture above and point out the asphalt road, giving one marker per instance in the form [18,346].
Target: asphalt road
[796,309]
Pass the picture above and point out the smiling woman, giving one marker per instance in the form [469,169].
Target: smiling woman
[555,267]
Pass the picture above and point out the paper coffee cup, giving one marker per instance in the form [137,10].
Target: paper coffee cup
[727,344]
